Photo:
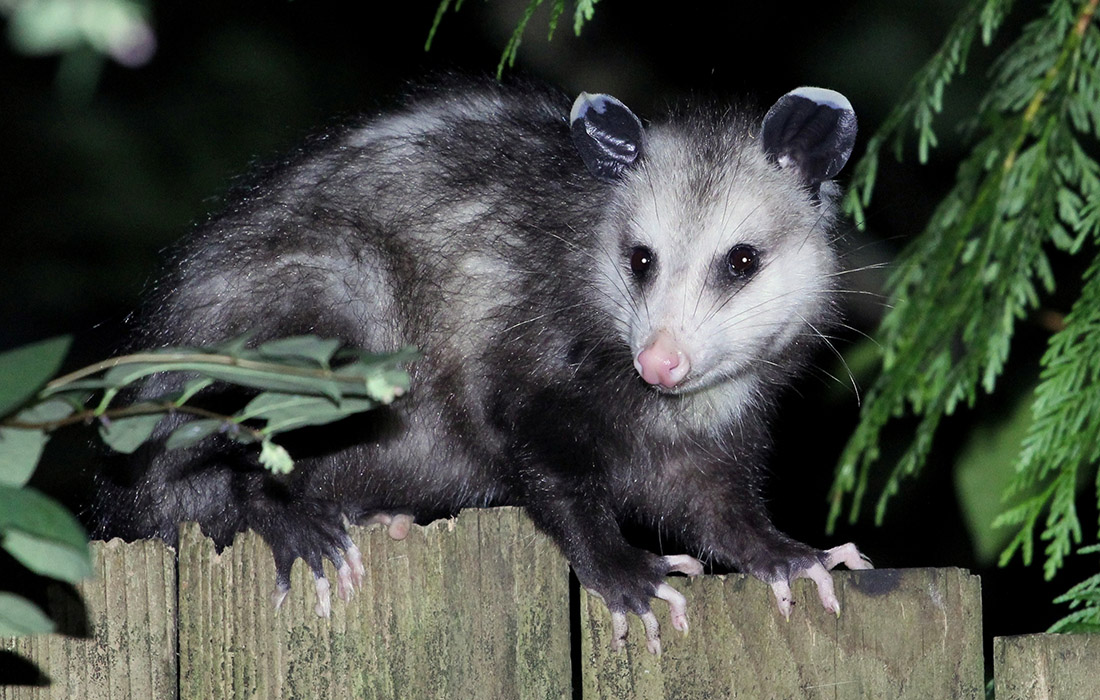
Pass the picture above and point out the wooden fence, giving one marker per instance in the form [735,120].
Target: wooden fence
[481,607]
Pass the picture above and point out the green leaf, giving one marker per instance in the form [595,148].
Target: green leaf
[24,370]
[49,557]
[20,451]
[275,458]
[583,13]
[285,412]
[234,347]
[127,434]
[439,12]
[192,432]
[191,388]
[274,376]
[21,448]
[308,347]
[19,617]
[58,408]
[42,535]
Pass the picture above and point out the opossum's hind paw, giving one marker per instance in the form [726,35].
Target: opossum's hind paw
[677,605]
[314,540]
[818,571]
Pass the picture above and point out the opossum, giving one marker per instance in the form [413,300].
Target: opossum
[606,312]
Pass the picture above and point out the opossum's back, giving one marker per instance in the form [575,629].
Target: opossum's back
[401,229]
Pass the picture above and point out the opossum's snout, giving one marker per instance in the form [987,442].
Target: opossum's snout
[663,361]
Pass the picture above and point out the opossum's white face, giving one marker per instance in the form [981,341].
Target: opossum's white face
[714,261]
[715,264]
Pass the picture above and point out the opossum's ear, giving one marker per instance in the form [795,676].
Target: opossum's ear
[813,129]
[607,135]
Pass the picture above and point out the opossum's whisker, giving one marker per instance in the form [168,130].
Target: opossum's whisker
[814,228]
[839,356]
[880,299]
[653,193]
[552,312]
[861,268]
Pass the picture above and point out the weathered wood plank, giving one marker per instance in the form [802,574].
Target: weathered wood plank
[472,607]
[912,633]
[479,607]
[1047,666]
[121,642]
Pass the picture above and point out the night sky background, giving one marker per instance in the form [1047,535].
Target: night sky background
[94,187]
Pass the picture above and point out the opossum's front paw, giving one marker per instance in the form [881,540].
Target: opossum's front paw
[313,534]
[629,589]
[816,567]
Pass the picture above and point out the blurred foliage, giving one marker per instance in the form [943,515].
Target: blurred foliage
[583,11]
[302,381]
[34,528]
[83,32]
[1030,186]
[117,28]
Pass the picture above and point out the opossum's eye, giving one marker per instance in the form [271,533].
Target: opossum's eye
[641,260]
[742,260]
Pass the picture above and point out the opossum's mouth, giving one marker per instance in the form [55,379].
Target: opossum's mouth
[697,383]
[691,384]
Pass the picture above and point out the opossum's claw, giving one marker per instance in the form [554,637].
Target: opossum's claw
[684,564]
[350,572]
[279,595]
[652,632]
[324,597]
[355,560]
[677,605]
[619,629]
[314,543]
[848,555]
[305,534]
[818,571]
[783,597]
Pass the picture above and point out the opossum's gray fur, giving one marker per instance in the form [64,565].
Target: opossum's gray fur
[466,224]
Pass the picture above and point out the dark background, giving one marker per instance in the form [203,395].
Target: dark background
[94,187]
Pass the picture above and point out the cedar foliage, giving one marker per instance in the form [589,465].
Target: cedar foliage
[582,12]
[1030,186]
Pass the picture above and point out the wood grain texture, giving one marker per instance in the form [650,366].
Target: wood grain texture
[116,638]
[912,633]
[470,608]
[479,607]
[1047,667]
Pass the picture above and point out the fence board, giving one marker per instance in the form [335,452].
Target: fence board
[470,608]
[1047,666]
[120,643]
[913,633]
[479,607]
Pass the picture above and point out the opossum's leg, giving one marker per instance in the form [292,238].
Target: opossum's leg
[560,479]
[747,540]
[624,577]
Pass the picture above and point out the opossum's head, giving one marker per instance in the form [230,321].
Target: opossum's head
[715,259]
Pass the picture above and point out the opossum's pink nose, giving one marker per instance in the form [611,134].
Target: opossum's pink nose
[663,361]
